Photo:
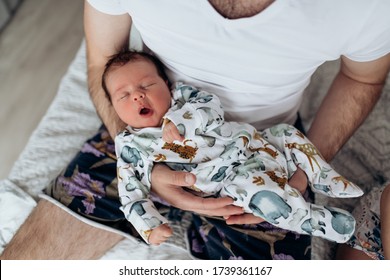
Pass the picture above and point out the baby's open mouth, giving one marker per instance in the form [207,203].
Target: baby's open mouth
[144,111]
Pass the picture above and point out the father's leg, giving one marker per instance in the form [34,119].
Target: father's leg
[51,233]
[370,237]
[88,187]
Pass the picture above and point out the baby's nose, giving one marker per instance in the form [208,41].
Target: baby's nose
[138,95]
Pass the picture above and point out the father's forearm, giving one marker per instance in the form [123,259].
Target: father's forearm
[105,35]
[103,106]
[342,111]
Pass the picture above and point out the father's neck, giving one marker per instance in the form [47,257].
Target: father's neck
[234,9]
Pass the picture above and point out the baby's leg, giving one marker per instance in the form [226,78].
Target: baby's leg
[287,209]
[321,176]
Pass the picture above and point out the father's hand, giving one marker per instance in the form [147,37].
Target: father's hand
[299,181]
[243,219]
[168,184]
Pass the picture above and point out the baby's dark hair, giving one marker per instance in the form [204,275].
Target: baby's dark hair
[126,56]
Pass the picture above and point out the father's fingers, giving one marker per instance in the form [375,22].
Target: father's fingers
[215,206]
[243,219]
[229,210]
[185,200]
[168,185]
[212,203]
[166,176]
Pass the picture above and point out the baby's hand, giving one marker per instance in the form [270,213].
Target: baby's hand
[171,133]
[160,234]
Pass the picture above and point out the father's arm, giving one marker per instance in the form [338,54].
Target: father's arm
[105,35]
[352,96]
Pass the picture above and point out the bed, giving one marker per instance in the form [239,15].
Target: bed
[71,119]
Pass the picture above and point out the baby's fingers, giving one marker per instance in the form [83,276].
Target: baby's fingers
[171,133]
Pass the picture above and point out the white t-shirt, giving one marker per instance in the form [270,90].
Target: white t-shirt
[258,66]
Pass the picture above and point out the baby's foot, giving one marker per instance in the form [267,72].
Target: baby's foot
[330,223]
[328,182]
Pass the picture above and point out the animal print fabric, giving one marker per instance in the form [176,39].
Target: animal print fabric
[232,159]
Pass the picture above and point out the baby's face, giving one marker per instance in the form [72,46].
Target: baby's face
[139,95]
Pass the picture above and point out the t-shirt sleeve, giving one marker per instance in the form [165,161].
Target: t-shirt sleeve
[371,38]
[111,7]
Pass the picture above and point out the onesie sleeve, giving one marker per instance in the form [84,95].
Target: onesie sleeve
[133,171]
[194,108]
[111,7]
